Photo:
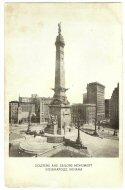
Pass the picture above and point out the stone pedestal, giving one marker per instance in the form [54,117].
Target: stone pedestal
[51,129]
[63,117]
[55,138]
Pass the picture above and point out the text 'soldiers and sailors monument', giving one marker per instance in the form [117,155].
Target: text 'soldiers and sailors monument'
[60,106]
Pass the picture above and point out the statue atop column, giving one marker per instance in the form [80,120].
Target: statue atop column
[59,28]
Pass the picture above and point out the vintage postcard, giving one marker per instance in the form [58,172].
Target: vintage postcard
[63,94]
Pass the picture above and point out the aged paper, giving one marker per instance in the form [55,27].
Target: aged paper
[63,94]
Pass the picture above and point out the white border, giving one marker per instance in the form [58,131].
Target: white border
[59,1]
[2,78]
[2,94]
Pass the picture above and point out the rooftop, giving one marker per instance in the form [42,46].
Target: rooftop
[15,101]
[96,83]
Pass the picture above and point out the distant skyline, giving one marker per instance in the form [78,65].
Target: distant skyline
[52,96]
[93,50]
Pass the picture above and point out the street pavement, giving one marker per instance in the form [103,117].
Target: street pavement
[103,132]
[97,147]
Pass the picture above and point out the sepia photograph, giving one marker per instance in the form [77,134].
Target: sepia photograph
[63,77]
[63,94]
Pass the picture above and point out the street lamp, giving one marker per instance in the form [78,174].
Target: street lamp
[95,131]
[79,143]
[78,140]
[29,121]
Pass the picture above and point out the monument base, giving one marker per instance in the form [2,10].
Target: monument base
[39,145]
[63,115]
[54,138]
[51,129]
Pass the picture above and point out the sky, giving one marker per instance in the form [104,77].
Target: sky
[93,47]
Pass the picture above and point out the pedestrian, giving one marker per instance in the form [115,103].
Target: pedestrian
[34,134]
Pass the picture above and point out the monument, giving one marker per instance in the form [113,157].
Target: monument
[60,107]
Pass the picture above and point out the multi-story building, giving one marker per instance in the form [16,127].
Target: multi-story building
[13,112]
[77,112]
[44,109]
[107,108]
[27,106]
[89,113]
[25,110]
[85,98]
[37,107]
[41,106]
[95,95]
[84,112]
[25,99]
[114,108]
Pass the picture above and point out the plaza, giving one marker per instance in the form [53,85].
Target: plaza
[38,146]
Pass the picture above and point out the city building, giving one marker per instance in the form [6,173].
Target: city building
[60,107]
[95,95]
[114,108]
[25,99]
[25,110]
[37,107]
[44,109]
[13,112]
[77,112]
[85,98]
[89,113]
[107,108]
[83,112]
[29,105]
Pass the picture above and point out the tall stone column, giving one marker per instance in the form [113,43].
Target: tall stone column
[60,106]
